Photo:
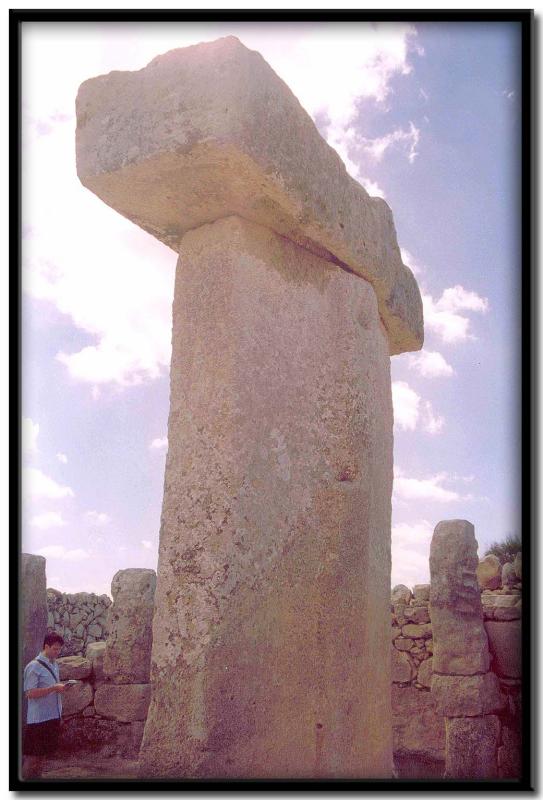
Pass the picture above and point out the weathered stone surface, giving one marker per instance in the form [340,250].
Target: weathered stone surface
[402,670]
[505,642]
[517,564]
[417,631]
[500,600]
[509,576]
[489,572]
[396,631]
[122,702]
[467,695]
[95,654]
[424,675]
[74,667]
[401,643]
[418,728]
[33,606]
[421,591]
[400,594]
[127,656]
[76,698]
[508,613]
[471,747]
[509,762]
[209,131]
[275,538]
[460,641]
[418,615]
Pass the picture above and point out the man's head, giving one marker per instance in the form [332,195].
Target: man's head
[52,645]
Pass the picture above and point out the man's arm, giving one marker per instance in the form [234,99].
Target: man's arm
[33,694]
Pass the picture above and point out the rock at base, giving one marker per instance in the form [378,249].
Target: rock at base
[505,643]
[471,747]
[76,698]
[419,729]
[123,702]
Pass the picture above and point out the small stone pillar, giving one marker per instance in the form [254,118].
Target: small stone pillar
[466,692]
[127,656]
[271,628]
[33,596]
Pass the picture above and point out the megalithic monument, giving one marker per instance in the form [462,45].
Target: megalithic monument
[271,631]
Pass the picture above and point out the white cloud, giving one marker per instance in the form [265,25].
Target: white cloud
[424,489]
[159,444]
[98,518]
[442,315]
[58,551]
[411,552]
[37,484]
[49,519]
[431,422]
[372,187]
[376,148]
[406,403]
[430,364]
[147,545]
[30,431]
[63,458]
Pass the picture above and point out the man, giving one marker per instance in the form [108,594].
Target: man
[42,688]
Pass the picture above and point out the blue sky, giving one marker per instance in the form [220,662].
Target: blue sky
[428,116]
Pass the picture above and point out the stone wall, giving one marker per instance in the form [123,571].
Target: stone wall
[105,711]
[81,618]
[419,729]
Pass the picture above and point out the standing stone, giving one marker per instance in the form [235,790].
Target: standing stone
[471,744]
[275,532]
[460,640]
[127,655]
[33,606]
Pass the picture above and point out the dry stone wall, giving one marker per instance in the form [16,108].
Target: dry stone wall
[81,618]
[418,724]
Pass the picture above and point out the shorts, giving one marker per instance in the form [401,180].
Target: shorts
[41,738]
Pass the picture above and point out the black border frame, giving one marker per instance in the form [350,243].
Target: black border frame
[528,411]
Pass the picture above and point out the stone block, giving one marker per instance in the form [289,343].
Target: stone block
[401,594]
[206,132]
[402,670]
[505,643]
[401,643]
[517,564]
[425,672]
[74,667]
[507,613]
[417,615]
[124,702]
[418,728]
[95,654]
[417,631]
[472,748]
[489,571]
[509,577]
[76,698]
[467,695]
[421,591]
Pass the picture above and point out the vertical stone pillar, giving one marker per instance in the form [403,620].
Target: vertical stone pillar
[33,596]
[466,692]
[271,628]
[127,655]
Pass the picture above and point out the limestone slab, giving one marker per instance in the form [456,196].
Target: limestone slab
[271,637]
[489,572]
[74,668]
[77,697]
[122,702]
[472,747]
[402,670]
[419,729]
[467,695]
[209,131]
